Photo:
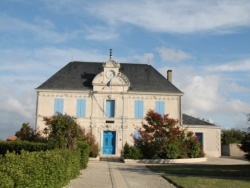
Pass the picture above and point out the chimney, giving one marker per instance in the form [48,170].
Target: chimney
[169,75]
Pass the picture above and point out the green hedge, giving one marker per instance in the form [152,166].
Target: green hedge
[54,168]
[18,146]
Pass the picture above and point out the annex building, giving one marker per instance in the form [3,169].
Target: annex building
[113,98]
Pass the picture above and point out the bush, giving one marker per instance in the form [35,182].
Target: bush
[83,147]
[163,138]
[93,145]
[18,146]
[170,150]
[6,181]
[54,168]
[131,152]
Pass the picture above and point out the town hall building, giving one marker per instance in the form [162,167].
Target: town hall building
[113,98]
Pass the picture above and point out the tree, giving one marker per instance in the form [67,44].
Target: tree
[63,131]
[231,136]
[93,145]
[245,142]
[29,134]
[162,138]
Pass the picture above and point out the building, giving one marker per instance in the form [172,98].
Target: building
[110,98]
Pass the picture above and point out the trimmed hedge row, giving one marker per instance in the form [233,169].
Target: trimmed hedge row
[18,146]
[54,168]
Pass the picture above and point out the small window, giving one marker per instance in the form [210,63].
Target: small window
[58,105]
[110,108]
[81,108]
[160,107]
[138,108]
[200,138]
[137,134]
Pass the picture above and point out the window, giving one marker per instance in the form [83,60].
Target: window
[137,134]
[138,109]
[110,108]
[200,138]
[81,108]
[160,107]
[58,105]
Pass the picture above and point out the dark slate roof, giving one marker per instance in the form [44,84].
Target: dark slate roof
[189,120]
[79,76]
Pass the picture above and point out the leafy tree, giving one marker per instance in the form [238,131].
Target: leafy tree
[29,134]
[25,133]
[161,137]
[245,142]
[63,131]
[231,136]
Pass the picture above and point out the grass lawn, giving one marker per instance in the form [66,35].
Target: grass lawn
[199,176]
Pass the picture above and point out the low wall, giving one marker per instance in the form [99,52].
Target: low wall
[232,150]
[165,161]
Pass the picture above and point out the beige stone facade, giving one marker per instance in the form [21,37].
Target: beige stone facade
[124,122]
[124,85]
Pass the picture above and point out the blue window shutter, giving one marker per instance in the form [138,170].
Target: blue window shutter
[81,108]
[138,108]
[160,107]
[110,108]
[58,105]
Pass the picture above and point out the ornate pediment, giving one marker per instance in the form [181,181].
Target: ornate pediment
[111,77]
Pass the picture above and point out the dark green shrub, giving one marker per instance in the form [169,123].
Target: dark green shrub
[18,146]
[170,150]
[131,152]
[83,147]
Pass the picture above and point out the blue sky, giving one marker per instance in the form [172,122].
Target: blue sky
[206,44]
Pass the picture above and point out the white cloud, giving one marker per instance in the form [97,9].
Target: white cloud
[175,16]
[243,65]
[42,29]
[207,96]
[172,55]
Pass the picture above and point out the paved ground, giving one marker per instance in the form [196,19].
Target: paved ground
[114,174]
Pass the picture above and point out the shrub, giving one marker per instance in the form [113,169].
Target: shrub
[170,150]
[6,181]
[18,146]
[131,152]
[52,168]
[63,131]
[83,147]
[163,138]
[93,145]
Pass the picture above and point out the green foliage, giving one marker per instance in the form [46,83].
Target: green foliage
[162,138]
[63,131]
[131,152]
[54,168]
[6,181]
[83,147]
[26,133]
[231,136]
[18,146]
[93,145]
[245,142]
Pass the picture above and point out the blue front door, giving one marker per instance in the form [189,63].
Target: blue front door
[109,142]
